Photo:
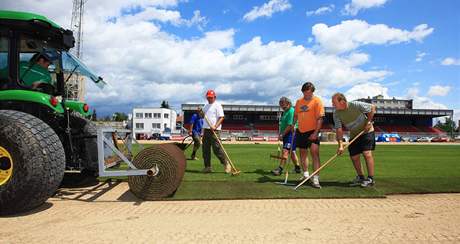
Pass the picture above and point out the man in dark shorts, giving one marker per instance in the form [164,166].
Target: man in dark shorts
[356,117]
[309,113]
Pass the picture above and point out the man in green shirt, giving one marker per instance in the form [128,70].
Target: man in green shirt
[35,72]
[356,117]
[286,135]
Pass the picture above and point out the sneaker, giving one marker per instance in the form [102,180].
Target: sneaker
[207,170]
[278,171]
[297,169]
[356,181]
[193,158]
[305,175]
[315,182]
[228,168]
[368,183]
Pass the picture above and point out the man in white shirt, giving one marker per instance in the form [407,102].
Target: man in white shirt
[215,115]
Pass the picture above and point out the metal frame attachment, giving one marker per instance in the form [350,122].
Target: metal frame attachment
[108,150]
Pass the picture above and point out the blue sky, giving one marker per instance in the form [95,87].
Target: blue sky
[295,25]
[256,51]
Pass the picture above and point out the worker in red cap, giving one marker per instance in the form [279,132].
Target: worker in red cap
[215,115]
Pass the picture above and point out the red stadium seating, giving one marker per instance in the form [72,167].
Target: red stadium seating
[407,128]
[429,129]
[270,127]
[398,128]
[235,127]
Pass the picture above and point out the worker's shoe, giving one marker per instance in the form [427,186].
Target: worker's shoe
[368,182]
[206,170]
[297,169]
[315,182]
[357,181]
[228,168]
[304,176]
[278,171]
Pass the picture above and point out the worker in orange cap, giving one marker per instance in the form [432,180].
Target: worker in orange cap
[215,115]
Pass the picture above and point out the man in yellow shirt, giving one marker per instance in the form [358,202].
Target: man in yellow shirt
[309,113]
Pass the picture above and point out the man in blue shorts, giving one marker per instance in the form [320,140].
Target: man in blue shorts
[286,135]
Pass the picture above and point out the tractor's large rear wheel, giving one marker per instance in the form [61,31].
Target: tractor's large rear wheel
[171,163]
[32,162]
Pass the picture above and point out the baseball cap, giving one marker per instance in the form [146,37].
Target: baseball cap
[210,93]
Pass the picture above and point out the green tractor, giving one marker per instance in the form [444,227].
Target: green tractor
[43,134]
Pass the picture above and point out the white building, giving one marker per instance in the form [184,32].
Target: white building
[148,121]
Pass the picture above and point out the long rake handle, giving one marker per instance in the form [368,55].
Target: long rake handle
[235,170]
[327,162]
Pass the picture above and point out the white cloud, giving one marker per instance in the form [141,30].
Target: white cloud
[144,64]
[267,9]
[61,11]
[321,10]
[197,20]
[419,56]
[364,90]
[422,102]
[351,34]
[370,89]
[426,103]
[450,61]
[357,5]
[413,92]
[438,90]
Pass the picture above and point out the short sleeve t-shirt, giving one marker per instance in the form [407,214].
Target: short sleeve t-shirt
[197,124]
[213,112]
[308,112]
[286,119]
[35,73]
[353,117]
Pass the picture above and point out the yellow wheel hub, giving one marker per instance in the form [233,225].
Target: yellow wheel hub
[6,166]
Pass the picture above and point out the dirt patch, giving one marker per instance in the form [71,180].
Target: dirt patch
[111,214]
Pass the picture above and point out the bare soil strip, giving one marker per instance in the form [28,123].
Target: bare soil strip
[111,214]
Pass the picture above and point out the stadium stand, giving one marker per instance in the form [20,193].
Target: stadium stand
[392,116]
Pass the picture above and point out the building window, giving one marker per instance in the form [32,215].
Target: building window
[139,125]
[156,125]
[139,116]
[238,117]
[166,116]
[166,126]
[148,115]
[157,115]
[267,117]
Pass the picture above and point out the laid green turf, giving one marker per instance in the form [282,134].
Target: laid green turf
[399,169]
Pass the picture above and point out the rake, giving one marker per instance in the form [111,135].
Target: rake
[327,162]
[235,171]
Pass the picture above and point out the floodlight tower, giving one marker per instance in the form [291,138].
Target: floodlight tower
[76,85]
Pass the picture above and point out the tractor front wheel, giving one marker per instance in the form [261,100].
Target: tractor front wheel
[32,162]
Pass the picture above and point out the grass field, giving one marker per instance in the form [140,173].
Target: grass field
[399,169]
